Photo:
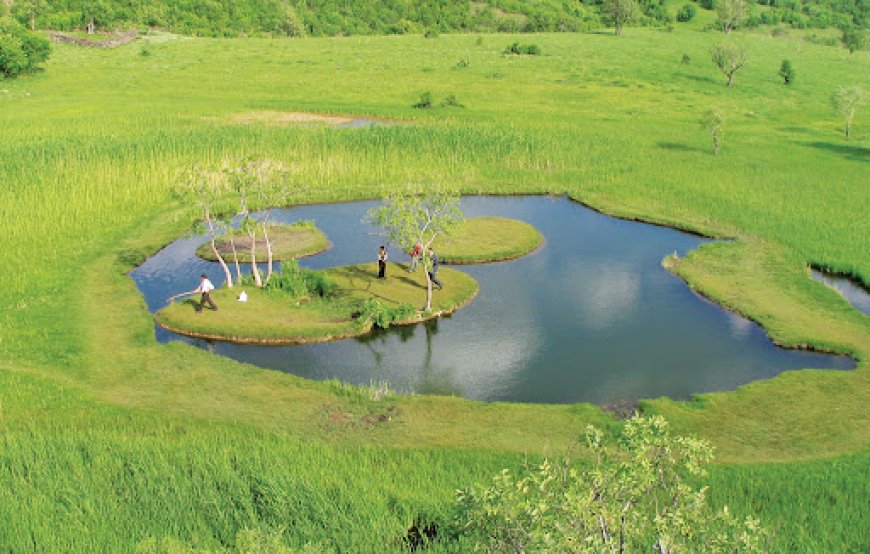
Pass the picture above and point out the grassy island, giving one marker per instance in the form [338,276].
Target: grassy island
[274,317]
[294,241]
[488,239]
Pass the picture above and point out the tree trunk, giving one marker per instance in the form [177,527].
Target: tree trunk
[730,78]
[91,26]
[32,21]
[221,261]
[618,29]
[428,290]
[212,237]
[236,260]
[848,127]
[255,271]
[268,253]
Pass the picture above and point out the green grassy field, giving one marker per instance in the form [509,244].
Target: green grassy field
[111,439]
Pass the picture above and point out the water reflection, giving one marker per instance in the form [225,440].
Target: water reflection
[591,316]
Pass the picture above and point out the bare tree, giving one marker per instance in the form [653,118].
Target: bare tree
[204,187]
[712,122]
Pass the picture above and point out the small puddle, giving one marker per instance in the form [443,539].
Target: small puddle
[591,316]
[852,291]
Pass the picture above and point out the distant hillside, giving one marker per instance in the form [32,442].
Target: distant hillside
[354,17]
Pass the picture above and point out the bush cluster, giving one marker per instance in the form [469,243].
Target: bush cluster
[298,282]
[516,49]
[20,50]
[376,313]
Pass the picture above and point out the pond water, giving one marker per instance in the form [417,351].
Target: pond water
[853,292]
[591,316]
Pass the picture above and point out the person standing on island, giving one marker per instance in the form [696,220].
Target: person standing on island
[382,263]
[416,252]
[205,287]
[433,269]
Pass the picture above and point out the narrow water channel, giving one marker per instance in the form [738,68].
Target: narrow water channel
[589,317]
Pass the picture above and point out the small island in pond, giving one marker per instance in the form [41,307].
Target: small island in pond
[319,305]
[487,239]
[289,242]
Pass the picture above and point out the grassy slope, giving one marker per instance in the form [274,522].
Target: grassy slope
[487,239]
[90,148]
[273,316]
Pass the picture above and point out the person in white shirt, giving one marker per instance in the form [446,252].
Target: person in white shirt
[205,287]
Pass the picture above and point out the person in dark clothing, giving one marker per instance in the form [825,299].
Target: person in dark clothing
[205,287]
[382,263]
[433,269]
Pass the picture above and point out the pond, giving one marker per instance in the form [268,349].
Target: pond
[591,316]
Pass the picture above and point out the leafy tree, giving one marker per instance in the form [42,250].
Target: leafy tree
[686,13]
[29,10]
[786,71]
[846,100]
[619,13]
[410,217]
[729,58]
[633,496]
[730,14]
[20,50]
[712,121]
[853,38]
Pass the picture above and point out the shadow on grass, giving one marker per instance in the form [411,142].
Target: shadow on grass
[677,147]
[850,151]
[700,78]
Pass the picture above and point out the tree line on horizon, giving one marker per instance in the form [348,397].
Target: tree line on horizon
[229,18]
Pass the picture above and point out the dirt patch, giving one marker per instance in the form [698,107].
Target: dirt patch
[112,40]
[306,118]
[621,409]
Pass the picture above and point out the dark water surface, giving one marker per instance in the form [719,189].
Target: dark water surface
[589,317]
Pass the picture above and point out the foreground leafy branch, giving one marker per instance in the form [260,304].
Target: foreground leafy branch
[636,495]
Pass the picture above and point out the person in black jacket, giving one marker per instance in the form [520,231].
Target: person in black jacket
[433,269]
[382,263]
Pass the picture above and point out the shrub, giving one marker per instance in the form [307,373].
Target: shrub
[686,59]
[425,101]
[379,315]
[298,282]
[708,4]
[637,494]
[516,49]
[451,102]
[786,71]
[686,13]
[20,49]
